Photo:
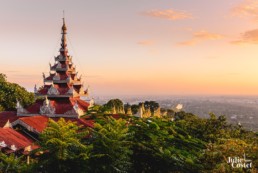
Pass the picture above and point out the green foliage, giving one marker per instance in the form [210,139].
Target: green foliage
[216,155]
[11,92]
[130,144]
[170,112]
[111,146]
[151,104]
[134,109]
[62,147]
[208,130]
[2,77]
[11,163]
[95,110]
[160,146]
[114,104]
[127,106]
[223,141]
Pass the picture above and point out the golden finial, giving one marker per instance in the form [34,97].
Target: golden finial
[64,26]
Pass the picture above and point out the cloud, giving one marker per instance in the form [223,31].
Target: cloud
[248,8]
[248,37]
[146,42]
[207,35]
[201,36]
[169,14]
[191,42]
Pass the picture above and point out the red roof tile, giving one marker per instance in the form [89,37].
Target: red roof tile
[54,66]
[63,76]
[62,88]
[116,116]
[82,104]
[86,123]
[35,107]
[50,77]
[12,137]
[38,123]
[61,105]
[44,90]
[7,115]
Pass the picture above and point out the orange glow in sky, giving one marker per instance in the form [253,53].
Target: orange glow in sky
[136,47]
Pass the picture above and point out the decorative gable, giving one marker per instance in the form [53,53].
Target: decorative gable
[71,91]
[56,77]
[59,65]
[20,109]
[75,111]
[47,108]
[53,91]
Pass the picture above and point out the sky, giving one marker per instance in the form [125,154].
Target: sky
[136,47]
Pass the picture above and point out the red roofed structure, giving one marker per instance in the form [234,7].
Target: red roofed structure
[62,89]
[58,97]
[12,141]
[36,124]
[7,117]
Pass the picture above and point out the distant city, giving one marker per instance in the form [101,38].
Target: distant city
[237,109]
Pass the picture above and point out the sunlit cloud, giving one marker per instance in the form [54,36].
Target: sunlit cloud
[248,8]
[248,37]
[205,35]
[201,36]
[169,14]
[146,42]
[191,42]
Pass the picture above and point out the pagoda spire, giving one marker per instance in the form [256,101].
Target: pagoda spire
[63,49]
[62,87]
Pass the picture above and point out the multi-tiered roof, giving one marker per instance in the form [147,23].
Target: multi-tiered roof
[62,88]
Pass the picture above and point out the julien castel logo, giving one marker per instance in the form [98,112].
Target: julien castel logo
[239,162]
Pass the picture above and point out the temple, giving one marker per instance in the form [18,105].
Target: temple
[60,96]
[62,89]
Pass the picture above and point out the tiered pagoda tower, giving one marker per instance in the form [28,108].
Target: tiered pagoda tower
[62,89]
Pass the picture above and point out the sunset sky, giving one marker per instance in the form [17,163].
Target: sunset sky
[136,47]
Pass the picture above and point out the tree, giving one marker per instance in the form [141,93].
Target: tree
[11,163]
[135,109]
[114,106]
[2,77]
[127,106]
[215,158]
[111,146]
[160,146]
[96,110]
[208,130]
[62,147]
[152,105]
[11,92]
[223,141]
